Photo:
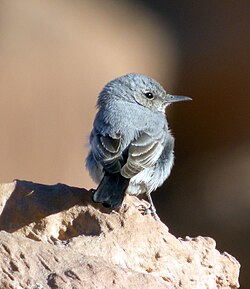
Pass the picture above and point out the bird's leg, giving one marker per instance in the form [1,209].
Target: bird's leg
[152,208]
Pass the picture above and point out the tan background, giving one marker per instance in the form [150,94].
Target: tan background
[55,57]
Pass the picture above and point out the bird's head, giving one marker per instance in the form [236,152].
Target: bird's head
[140,89]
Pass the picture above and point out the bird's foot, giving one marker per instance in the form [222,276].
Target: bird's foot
[154,214]
[148,210]
[122,209]
[144,209]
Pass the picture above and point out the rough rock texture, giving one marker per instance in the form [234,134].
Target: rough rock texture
[55,237]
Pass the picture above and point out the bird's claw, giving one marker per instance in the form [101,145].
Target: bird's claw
[154,214]
[145,210]
[148,210]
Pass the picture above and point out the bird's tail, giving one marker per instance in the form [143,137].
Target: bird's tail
[111,190]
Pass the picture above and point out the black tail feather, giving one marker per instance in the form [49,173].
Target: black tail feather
[111,190]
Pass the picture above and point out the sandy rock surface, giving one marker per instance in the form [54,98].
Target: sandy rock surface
[55,237]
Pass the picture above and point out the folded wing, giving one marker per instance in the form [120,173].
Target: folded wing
[142,153]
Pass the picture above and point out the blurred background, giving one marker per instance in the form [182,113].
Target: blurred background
[56,56]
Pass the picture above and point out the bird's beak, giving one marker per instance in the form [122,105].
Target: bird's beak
[174,98]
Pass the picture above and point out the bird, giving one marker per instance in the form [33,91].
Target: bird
[131,147]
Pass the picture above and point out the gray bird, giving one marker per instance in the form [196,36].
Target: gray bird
[131,145]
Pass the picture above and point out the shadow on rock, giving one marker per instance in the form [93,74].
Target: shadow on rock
[30,202]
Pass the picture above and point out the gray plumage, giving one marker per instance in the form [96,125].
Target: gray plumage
[131,146]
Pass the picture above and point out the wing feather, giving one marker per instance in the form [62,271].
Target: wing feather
[143,153]
[111,144]
[106,150]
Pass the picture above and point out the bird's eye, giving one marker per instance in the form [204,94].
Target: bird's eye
[149,95]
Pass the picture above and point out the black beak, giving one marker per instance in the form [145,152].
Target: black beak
[175,98]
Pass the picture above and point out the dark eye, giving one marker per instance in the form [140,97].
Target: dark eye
[149,95]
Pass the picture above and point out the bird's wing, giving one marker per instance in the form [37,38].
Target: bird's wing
[106,150]
[143,153]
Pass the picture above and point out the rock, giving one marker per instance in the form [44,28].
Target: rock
[55,237]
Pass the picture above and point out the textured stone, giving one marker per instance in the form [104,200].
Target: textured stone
[55,237]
